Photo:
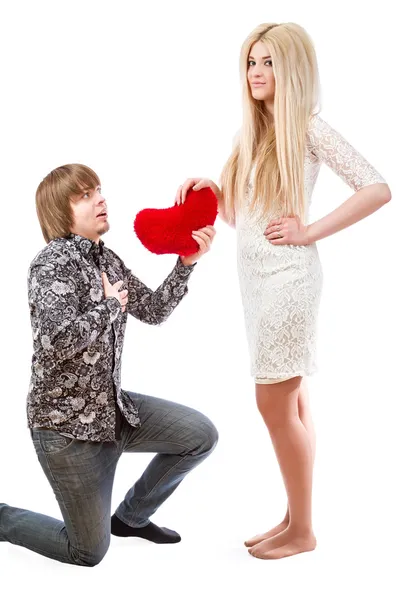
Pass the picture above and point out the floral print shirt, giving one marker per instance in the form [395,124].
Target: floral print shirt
[78,336]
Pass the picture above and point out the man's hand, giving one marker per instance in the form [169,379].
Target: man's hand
[112,291]
[204,238]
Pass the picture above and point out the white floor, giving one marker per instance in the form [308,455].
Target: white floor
[144,145]
[204,568]
[236,493]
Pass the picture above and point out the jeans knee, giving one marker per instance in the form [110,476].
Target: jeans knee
[90,557]
[213,437]
[210,435]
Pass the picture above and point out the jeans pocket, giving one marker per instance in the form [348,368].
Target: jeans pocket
[50,441]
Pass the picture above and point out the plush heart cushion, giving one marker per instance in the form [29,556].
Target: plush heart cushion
[169,230]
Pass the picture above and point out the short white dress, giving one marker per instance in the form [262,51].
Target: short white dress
[281,285]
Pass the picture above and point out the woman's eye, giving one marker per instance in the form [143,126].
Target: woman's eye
[267,63]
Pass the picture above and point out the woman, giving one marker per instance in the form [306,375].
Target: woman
[266,188]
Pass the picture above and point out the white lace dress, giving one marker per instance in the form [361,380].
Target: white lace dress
[281,285]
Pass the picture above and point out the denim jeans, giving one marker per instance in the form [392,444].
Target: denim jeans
[81,474]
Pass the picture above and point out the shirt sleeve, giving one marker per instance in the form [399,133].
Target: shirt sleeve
[330,147]
[59,327]
[154,307]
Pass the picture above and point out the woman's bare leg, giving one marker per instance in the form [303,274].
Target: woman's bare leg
[305,417]
[279,407]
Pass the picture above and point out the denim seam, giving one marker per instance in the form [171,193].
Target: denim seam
[186,448]
[76,548]
[154,486]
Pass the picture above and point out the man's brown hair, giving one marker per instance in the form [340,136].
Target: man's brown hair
[53,198]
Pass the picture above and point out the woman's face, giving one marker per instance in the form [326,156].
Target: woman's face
[260,74]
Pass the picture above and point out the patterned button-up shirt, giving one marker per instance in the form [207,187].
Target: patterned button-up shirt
[78,335]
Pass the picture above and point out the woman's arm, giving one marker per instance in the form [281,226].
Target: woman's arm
[198,184]
[362,204]
[371,190]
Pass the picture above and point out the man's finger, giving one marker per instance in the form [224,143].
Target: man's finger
[209,230]
[202,235]
[118,285]
[200,241]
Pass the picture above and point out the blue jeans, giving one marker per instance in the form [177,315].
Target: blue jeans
[82,474]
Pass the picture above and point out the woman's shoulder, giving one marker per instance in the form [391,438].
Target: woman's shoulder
[319,133]
[317,124]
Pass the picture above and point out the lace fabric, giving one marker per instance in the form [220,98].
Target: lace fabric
[281,285]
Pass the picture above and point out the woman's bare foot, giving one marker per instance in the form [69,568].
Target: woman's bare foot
[266,536]
[285,544]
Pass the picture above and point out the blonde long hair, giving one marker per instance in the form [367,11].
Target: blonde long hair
[275,144]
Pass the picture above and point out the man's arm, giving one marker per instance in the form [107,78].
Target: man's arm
[58,325]
[155,307]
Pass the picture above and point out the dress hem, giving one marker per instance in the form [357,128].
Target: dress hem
[285,375]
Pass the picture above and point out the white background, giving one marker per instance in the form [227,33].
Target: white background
[147,94]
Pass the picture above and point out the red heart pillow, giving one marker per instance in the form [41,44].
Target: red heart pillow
[169,230]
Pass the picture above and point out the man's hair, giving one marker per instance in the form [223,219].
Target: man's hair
[53,198]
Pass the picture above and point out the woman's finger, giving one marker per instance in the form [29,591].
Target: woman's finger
[203,183]
[186,187]
[275,235]
[178,195]
[285,240]
[274,222]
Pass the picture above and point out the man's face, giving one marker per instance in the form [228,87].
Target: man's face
[89,211]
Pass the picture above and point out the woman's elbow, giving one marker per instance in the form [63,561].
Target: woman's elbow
[385,193]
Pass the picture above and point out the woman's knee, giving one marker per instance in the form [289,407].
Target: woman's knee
[278,403]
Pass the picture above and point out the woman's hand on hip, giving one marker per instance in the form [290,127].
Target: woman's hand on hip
[287,231]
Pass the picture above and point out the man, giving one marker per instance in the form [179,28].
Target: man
[81,421]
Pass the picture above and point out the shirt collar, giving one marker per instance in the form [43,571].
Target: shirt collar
[86,246]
